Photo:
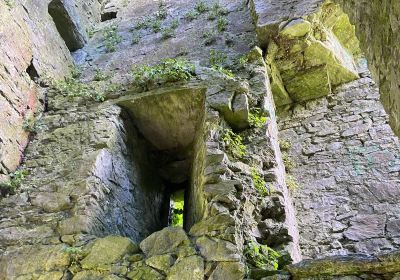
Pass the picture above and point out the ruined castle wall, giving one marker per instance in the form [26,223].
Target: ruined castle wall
[377,26]
[347,166]
[87,175]
[31,47]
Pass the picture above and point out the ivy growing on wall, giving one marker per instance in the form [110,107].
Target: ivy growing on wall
[261,256]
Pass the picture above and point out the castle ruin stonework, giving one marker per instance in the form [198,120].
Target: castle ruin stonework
[274,123]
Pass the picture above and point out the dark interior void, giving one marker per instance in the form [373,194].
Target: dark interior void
[170,122]
[31,70]
[66,26]
[108,15]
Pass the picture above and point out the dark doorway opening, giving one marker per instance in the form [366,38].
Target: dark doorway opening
[73,38]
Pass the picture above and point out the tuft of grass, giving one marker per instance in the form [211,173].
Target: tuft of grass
[162,12]
[192,15]
[155,25]
[13,183]
[169,70]
[288,162]
[100,75]
[73,88]
[234,143]
[292,183]
[170,31]
[285,145]
[201,7]
[217,61]
[75,254]
[111,38]
[135,39]
[167,33]
[222,24]
[216,11]
[259,183]
[210,37]
[31,125]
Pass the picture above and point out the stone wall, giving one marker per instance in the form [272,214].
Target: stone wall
[345,159]
[31,48]
[94,201]
[377,25]
[84,178]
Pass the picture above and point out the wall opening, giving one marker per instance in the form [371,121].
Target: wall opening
[108,15]
[170,121]
[31,70]
[66,26]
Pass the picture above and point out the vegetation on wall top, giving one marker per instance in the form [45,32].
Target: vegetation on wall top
[168,71]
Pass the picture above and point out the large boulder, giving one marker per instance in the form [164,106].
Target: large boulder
[188,268]
[165,241]
[108,250]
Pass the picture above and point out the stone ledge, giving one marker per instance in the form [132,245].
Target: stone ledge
[347,265]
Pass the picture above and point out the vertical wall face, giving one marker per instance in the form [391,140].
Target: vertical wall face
[95,178]
[30,40]
[72,36]
[28,37]
[347,166]
[377,25]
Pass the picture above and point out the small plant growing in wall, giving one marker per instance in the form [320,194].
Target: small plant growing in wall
[259,183]
[216,11]
[217,60]
[288,162]
[292,183]
[99,75]
[222,24]
[192,15]
[169,70]
[72,88]
[284,145]
[135,39]
[74,254]
[162,12]
[234,143]
[111,38]
[170,31]
[10,3]
[261,256]
[155,25]
[13,183]
[257,118]
[210,37]
[201,7]
[31,125]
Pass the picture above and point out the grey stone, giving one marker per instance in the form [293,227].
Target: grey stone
[228,270]
[365,226]
[187,268]
[108,250]
[217,250]
[164,242]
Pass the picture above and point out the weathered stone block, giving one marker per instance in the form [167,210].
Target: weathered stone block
[164,242]
[108,250]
